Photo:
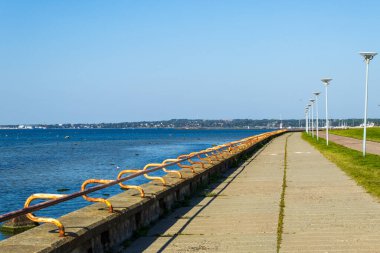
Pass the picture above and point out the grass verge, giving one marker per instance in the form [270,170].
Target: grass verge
[364,170]
[373,133]
[280,224]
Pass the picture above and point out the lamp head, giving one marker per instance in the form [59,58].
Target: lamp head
[317,93]
[326,81]
[368,55]
[312,100]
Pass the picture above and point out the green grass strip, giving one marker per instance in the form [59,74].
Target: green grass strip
[364,170]
[373,133]
[280,225]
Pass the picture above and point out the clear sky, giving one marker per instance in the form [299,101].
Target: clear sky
[113,61]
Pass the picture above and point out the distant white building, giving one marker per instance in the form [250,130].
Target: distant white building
[24,127]
[368,125]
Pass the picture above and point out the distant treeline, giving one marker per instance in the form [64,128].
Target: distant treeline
[199,123]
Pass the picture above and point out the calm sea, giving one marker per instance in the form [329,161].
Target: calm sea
[44,161]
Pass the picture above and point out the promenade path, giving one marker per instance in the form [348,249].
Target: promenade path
[371,146]
[242,217]
[325,211]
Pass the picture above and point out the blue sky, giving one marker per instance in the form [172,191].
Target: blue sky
[112,61]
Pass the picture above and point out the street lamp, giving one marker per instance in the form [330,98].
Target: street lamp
[316,105]
[326,82]
[312,117]
[368,56]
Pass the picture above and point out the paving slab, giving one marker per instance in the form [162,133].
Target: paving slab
[325,210]
[240,214]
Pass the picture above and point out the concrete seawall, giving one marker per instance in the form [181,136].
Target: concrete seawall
[93,230]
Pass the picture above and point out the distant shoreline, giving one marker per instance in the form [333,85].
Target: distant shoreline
[197,124]
[167,128]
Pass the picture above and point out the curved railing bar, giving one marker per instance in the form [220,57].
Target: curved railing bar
[56,222]
[97,181]
[171,171]
[151,177]
[136,187]
[192,155]
[197,162]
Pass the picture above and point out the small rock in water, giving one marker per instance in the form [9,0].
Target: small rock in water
[137,154]
[63,189]
[106,194]
[17,225]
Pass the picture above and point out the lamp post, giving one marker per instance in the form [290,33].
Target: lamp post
[309,117]
[306,119]
[326,82]
[312,117]
[368,56]
[316,105]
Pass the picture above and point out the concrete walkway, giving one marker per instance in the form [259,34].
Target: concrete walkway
[243,217]
[325,211]
[371,146]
